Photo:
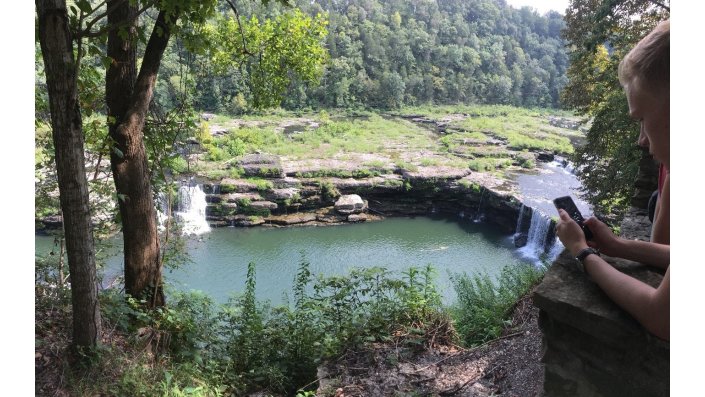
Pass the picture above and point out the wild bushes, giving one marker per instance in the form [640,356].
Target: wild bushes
[247,345]
[202,349]
[484,307]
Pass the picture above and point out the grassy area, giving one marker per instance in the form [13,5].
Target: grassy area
[479,137]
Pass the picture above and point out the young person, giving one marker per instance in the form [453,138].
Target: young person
[645,76]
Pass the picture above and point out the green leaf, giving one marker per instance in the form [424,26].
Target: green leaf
[84,5]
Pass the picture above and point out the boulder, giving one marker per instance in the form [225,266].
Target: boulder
[350,204]
[329,215]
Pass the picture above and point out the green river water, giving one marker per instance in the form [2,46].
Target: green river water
[220,257]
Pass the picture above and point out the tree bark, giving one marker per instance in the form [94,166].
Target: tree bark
[128,102]
[61,77]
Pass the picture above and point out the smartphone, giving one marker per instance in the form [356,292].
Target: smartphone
[567,204]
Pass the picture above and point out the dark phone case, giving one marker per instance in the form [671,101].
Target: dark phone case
[566,203]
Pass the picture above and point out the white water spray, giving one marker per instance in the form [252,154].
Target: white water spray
[163,210]
[537,245]
[478,214]
[520,219]
[191,211]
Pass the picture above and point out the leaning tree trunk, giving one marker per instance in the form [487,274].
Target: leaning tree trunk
[61,77]
[128,102]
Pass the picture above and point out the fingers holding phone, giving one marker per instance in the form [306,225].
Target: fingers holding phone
[570,233]
[603,238]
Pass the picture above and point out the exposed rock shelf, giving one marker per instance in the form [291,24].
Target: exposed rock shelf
[283,201]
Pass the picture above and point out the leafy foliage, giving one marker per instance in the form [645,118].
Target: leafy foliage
[275,51]
[601,32]
[484,305]
[248,345]
[372,54]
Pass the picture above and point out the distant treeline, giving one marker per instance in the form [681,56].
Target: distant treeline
[385,54]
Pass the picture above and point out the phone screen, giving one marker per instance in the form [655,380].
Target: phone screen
[567,204]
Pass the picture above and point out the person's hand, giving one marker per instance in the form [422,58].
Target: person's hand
[570,233]
[602,237]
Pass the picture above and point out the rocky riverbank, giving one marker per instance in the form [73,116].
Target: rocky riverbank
[281,197]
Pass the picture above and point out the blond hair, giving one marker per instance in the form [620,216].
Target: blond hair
[647,65]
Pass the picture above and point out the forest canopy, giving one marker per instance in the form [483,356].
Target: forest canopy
[385,54]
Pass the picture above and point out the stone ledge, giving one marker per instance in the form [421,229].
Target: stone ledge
[568,293]
[591,346]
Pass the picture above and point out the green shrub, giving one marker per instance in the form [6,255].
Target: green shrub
[484,306]
[215,153]
[526,160]
[243,202]
[234,146]
[481,165]
[244,346]
[178,165]
[328,190]
[203,135]
[262,184]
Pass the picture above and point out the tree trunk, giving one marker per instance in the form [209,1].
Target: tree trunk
[61,77]
[128,102]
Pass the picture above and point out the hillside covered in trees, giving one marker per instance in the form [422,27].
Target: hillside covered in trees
[385,54]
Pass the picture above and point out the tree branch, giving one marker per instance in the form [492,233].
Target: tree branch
[242,32]
[90,24]
[107,28]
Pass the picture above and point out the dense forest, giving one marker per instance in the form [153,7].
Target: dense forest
[385,54]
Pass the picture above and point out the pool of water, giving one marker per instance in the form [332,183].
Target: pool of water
[220,257]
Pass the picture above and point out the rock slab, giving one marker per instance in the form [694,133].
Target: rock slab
[350,204]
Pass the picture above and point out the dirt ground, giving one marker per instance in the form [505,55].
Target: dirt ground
[508,366]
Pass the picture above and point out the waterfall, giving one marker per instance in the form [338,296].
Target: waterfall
[478,214]
[163,210]
[520,219]
[538,245]
[191,211]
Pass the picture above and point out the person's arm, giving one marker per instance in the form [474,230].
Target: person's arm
[660,230]
[649,306]
[654,254]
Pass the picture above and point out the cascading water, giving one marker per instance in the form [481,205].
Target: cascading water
[540,242]
[191,210]
[163,210]
[478,214]
[520,219]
